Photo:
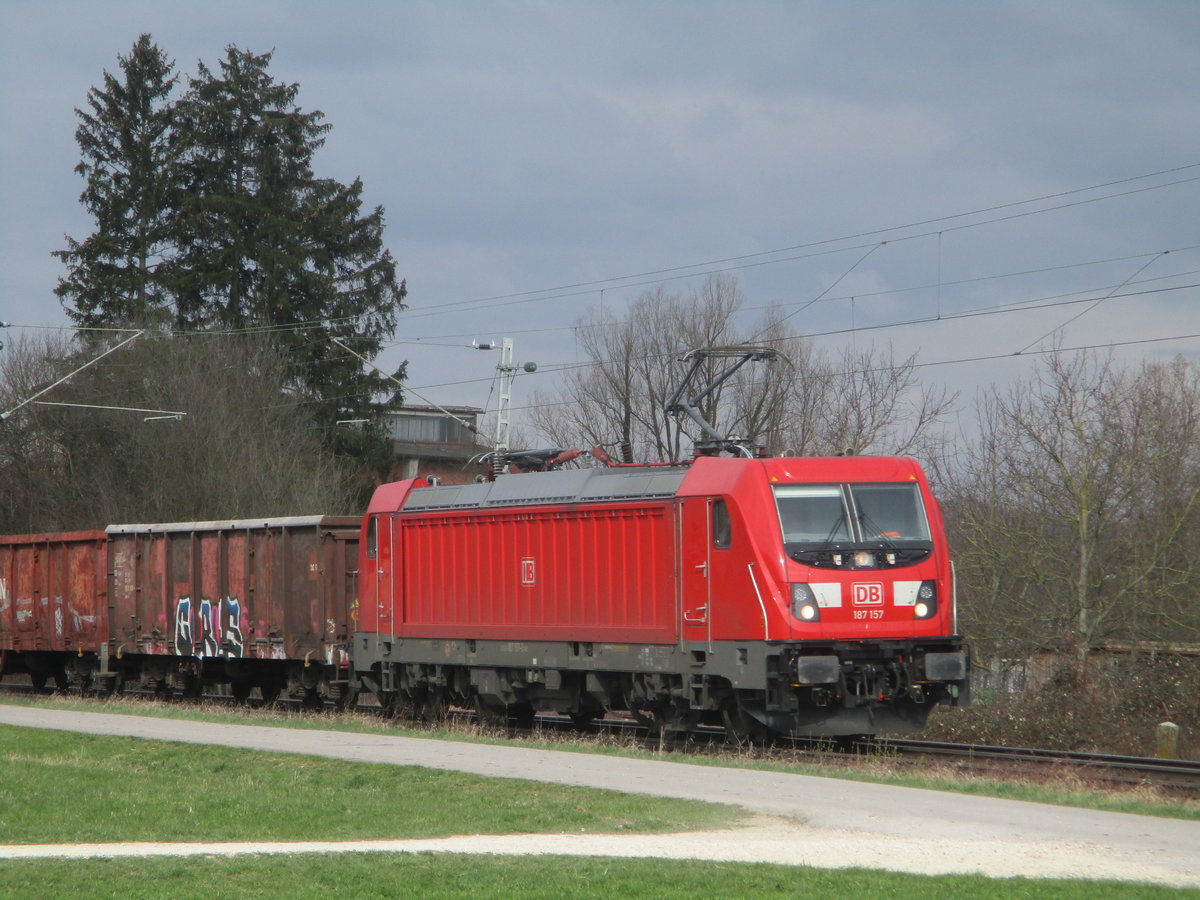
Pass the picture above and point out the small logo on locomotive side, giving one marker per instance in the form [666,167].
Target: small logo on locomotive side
[867,593]
[528,571]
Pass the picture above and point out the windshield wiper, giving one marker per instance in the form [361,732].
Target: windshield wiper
[837,523]
[869,526]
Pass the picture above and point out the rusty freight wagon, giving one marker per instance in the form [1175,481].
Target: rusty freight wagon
[253,603]
[53,605]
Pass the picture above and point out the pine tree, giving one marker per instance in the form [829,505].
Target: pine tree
[209,217]
[264,243]
[115,275]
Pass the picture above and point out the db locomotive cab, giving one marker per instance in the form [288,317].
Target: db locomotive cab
[870,595]
[862,553]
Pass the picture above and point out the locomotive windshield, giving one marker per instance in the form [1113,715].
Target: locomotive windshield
[818,519]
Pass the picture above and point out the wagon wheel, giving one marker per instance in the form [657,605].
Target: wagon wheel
[193,686]
[270,691]
[87,683]
[240,688]
[312,699]
[109,684]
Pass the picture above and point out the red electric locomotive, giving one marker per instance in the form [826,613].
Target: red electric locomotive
[809,596]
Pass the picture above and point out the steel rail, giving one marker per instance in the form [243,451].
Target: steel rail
[1182,773]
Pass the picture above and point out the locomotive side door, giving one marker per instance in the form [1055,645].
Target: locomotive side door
[385,565]
[694,532]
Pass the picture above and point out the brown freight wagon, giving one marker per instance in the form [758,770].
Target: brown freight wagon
[53,605]
[253,603]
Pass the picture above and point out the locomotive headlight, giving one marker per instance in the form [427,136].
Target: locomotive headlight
[804,603]
[926,605]
[864,559]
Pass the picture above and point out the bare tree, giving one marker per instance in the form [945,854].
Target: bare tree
[243,446]
[1077,501]
[802,404]
[619,398]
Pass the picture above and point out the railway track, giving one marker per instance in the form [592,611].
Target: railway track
[1178,776]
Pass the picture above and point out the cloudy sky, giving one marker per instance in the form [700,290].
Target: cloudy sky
[879,169]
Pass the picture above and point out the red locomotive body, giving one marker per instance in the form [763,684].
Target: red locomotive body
[792,595]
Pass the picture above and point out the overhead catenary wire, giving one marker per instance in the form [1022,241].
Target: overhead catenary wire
[705,267]
[71,374]
[435,340]
[1097,302]
[918,321]
[983,216]
[992,357]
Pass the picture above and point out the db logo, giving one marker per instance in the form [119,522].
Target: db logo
[528,571]
[867,594]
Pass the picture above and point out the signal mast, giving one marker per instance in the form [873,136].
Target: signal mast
[506,371]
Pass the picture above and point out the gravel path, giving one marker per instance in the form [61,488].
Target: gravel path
[801,820]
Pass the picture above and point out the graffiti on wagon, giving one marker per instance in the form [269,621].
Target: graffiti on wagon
[208,628]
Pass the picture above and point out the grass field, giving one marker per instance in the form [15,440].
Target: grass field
[434,877]
[58,787]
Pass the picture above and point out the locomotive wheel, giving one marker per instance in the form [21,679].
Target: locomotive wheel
[490,714]
[848,743]
[582,719]
[658,722]
[741,727]
[521,714]
[397,705]
[431,707]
